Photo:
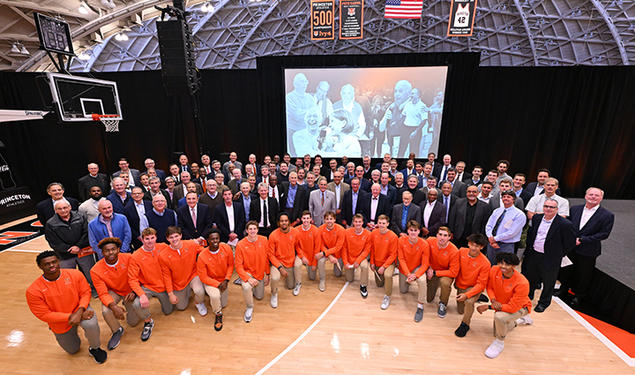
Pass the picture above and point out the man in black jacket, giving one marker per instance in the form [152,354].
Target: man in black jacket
[234,229]
[468,216]
[296,199]
[264,210]
[93,178]
[44,209]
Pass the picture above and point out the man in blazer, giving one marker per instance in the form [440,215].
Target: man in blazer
[155,188]
[399,220]
[135,212]
[374,205]
[387,189]
[432,213]
[296,199]
[230,230]
[44,209]
[462,224]
[412,186]
[550,237]
[93,178]
[592,224]
[181,189]
[339,188]
[149,164]
[133,174]
[118,196]
[193,210]
[267,221]
[352,202]
[447,199]
[321,201]
[458,187]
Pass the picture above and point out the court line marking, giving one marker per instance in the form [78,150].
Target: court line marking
[594,331]
[20,251]
[25,242]
[306,332]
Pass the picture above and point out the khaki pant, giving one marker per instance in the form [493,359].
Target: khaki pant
[131,314]
[321,266]
[382,280]
[466,307]
[404,285]
[163,298]
[250,292]
[70,341]
[183,295]
[504,322]
[217,299]
[294,275]
[433,284]
[349,273]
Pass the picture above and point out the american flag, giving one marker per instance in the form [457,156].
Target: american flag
[403,9]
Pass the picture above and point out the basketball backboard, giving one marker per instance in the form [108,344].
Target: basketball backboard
[78,98]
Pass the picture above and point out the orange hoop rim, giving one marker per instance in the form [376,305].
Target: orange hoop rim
[98,117]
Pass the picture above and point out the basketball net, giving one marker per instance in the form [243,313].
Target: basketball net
[111,123]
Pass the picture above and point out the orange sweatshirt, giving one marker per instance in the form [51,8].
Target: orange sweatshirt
[106,277]
[332,240]
[282,247]
[383,248]
[179,266]
[356,246]
[252,258]
[512,293]
[144,269]
[309,243]
[472,273]
[444,261]
[54,301]
[213,269]
[412,256]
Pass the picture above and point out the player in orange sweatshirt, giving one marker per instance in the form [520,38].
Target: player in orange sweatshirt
[383,252]
[414,259]
[332,240]
[308,245]
[355,251]
[508,291]
[444,266]
[61,298]
[178,266]
[283,259]
[146,280]
[471,280]
[110,278]
[215,266]
[252,266]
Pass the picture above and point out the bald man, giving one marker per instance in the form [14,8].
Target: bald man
[160,218]
[93,178]
[109,224]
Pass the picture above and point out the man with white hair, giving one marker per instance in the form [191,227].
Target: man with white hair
[119,197]
[393,120]
[234,184]
[160,218]
[44,209]
[93,178]
[181,189]
[442,172]
[109,224]
[212,196]
[149,163]
[298,102]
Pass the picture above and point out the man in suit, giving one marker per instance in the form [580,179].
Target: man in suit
[374,205]
[448,199]
[387,189]
[211,197]
[519,182]
[184,164]
[181,189]
[237,179]
[458,187]
[461,175]
[468,216]
[412,186]
[264,210]
[149,164]
[435,165]
[339,188]
[119,197]
[93,178]
[431,184]
[135,213]
[251,160]
[496,200]
[442,171]
[194,219]
[475,179]
[592,224]
[155,188]
[410,168]
[331,170]
[432,212]
[296,199]
[550,237]
[537,187]
[133,174]
[351,202]
[275,190]
[175,173]
[229,217]
[504,227]
[404,212]
[283,174]
[364,184]
[233,159]
[44,209]
[321,201]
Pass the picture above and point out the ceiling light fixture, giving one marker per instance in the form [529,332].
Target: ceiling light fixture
[207,7]
[83,8]
[122,37]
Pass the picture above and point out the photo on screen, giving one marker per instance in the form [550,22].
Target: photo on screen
[356,112]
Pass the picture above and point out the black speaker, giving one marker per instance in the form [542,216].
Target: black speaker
[178,63]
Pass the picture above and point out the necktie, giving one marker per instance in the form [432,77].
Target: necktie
[447,207]
[498,223]
[445,170]
[193,210]
[265,218]
[322,198]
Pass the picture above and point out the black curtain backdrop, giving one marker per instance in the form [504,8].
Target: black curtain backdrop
[577,121]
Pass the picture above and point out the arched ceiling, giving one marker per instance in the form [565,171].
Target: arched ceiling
[235,32]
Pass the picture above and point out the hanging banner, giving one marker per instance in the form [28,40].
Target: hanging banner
[322,19]
[351,19]
[462,14]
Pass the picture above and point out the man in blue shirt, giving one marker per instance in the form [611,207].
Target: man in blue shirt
[504,227]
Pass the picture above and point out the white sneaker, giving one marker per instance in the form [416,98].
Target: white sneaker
[524,321]
[495,348]
[322,286]
[385,303]
[296,290]
[274,300]
[248,314]
[201,308]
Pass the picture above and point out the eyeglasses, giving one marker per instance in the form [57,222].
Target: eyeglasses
[552,207]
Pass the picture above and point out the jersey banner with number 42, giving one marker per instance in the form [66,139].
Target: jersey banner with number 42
[322,19]
[462,15]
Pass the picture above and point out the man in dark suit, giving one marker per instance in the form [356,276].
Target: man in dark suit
[174,173]
[230,230]
[351,202]
[519,182]
[550,237]
[592,224]
[44,209]
[412,186]
[399,221]
[364,184]
[275,190]
[237,179]
[448,199]
[133,174]
[184,165]
[181,189]
[476,178]
[458,187]
[505,185]
[119,197]
[435,165]
[195,219]
[135,212]
[93,178]
[442,171]
[538,187]
[432,212]
[387,189]
[149,164]
[374,205]
[155,188]
[461,175]
[296,199]
[468,216]
[264,210]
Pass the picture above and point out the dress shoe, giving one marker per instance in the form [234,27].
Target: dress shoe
[540,308]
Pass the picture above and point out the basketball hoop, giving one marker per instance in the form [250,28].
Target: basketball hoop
[111,122]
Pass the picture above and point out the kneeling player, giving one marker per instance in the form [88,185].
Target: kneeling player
[356,249]
[414,260]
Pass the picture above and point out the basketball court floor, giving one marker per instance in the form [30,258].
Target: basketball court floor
[314,333]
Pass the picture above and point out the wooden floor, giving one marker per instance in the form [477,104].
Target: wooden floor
[354,337]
